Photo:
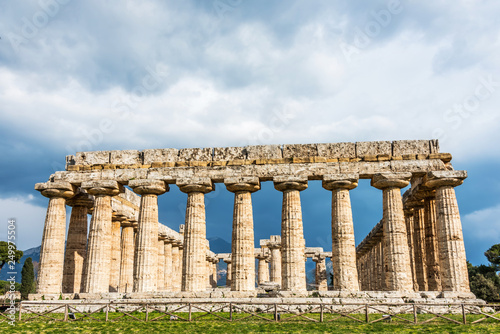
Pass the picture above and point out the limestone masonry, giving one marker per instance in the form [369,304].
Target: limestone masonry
[416,247]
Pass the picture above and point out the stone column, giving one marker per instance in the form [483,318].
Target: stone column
[454,276]
[242,245]
[193,260]
[275,247]
[169,275]
[114,275]
[76,245]
[431,241]
[396,253]
[411,249]
[419,244]
[146,267]
[263,275]
[181,266]
[50,272]
[321,281]
[127,257]
[161,263]
[292,233]
[228,272]
[214,262]
[345,274]
[98,261]
[176,267]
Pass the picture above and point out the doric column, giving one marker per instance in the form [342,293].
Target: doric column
[345,274]
[419,243]
[275,247]
[214,266]
[161,263]
[321,282]
[76,245]
[396,253]
[114,275]
[242,245]
[452,259]
[127,257]
[193,260]
[176,266]
[98,261]
[169,275]
[229,271]
[431,241]
[50,272]
[263,275]
[146,266]
[408,212]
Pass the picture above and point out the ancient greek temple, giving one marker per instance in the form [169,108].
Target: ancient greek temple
[416,246]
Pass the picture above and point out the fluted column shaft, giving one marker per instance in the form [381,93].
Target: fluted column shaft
[320,274]
[127,258]
[76,245]
[275,274]
[50,272]
[167,251]
[292,234]
[431,245]
[411,249]
[228,272]
[114,275]
[263,275]
[176,268]
[396,252]
[146,265]
[345,273]
[419,248]
[161,265]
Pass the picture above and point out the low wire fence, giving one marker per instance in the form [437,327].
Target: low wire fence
[409,313]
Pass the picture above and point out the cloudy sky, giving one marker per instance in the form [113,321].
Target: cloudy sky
[103,75]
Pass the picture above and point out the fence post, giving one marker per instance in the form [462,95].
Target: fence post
[414,314]
[107,311]
[366,314]
[189,311]
[66,312]
[20,309]
[147,312]
[231,311]
[464,317]
[321,313]
[275,312]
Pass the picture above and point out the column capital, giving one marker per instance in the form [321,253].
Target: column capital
[451,178]
[81,199]
[227,260]
[390,180]
[201,184]
[103,187]
[56,189]
[319,257]
[340,181]
[414,203]
[236,184]
[289,182]
[148,187]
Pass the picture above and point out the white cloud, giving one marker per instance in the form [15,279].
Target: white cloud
[483,225]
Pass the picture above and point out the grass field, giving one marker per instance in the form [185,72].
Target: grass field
[211,324]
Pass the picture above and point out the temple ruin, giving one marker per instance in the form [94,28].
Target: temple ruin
[416,247]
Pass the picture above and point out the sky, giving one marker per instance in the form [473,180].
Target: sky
[103,75]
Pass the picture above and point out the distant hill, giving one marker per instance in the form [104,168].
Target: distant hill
[218,245]
[34,253]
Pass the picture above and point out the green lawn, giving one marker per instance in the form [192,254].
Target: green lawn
[211,324]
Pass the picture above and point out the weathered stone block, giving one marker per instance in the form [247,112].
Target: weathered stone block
[195,154]
[126,157]
[434,146]
[264,152]
[161,155]
[373,148]
[402,147]
[337,150]
[92,158]
[300,150]
[229,153]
